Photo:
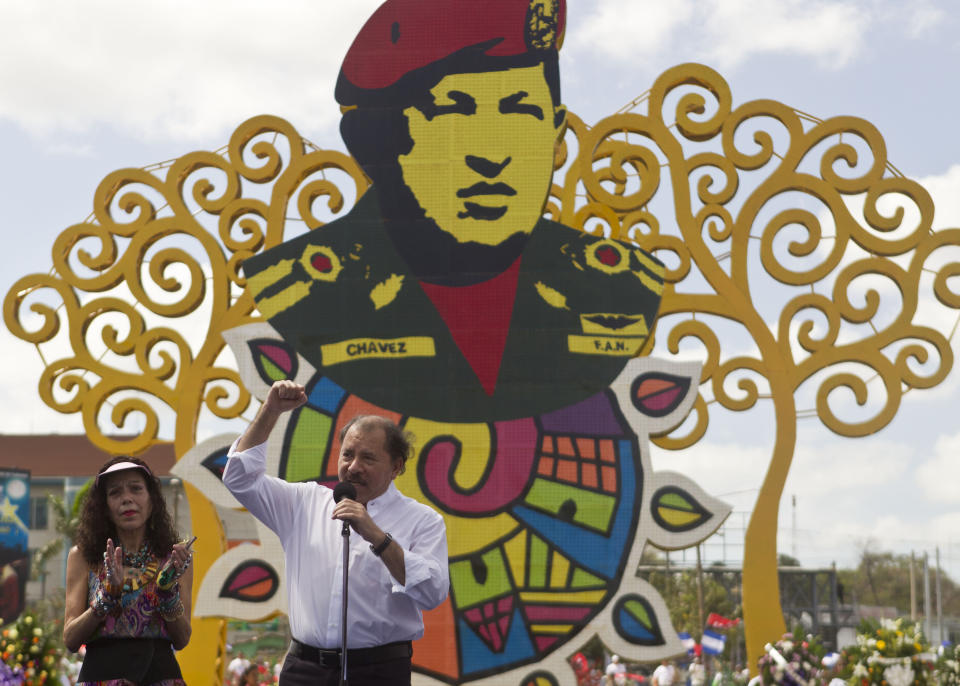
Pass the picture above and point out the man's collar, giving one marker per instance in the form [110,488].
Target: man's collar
[385,498]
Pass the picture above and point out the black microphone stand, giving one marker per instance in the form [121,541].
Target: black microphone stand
[344,490]
[343,616]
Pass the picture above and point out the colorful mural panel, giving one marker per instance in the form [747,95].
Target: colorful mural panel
[545,515]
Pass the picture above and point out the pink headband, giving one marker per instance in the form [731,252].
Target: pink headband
[119,467]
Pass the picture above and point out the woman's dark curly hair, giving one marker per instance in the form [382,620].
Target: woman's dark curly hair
[96,527]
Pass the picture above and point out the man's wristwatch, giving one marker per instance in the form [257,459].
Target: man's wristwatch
[378,550]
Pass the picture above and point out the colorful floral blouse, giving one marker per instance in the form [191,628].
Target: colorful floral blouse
[137,619]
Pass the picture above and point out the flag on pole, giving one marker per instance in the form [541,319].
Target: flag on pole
[687,641]
[721,622]
[712,642]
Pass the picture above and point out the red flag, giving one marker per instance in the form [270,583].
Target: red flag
[721,622]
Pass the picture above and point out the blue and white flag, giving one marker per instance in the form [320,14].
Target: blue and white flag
[687,641]
[712,642]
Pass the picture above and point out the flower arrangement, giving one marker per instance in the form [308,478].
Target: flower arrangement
[29,653]
[948,667]
[890,653]
[792,661]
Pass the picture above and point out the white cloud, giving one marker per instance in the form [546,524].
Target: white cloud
[725,32]
[721,469]
[923,17]
[830,31]
[938,477]
[181,69]
[839,466]
[945,191]
[23,410]
[631,28]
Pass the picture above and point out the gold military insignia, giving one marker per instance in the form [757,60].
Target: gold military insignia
[608,256]
[650,271]
[614,324]
[273,288]
[612,334]
[321,263]
[551,296]
[386,291]
[543,21]
[613,257]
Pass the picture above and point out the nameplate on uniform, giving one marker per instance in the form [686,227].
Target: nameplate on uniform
[377,349]
[616,346]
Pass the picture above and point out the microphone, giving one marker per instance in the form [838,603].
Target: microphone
[344,489]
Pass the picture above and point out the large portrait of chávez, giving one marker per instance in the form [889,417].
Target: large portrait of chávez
[444,293]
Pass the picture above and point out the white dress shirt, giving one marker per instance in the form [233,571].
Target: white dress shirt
[380,610]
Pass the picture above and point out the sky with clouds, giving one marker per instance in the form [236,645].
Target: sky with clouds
[88,88]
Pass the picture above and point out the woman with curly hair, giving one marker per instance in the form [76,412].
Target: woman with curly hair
[128,582]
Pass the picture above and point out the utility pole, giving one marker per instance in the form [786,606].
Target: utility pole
[939,604]
[794,532]
[926,596]
[913,587]
[669,580]
[699,587]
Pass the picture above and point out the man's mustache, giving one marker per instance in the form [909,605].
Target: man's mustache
[484,188]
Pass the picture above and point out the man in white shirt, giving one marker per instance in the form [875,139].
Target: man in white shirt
[664,675]
[616,672]
[237,667]
[398,550]
[697,673]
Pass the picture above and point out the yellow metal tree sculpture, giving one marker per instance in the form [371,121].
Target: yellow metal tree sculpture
[773,225]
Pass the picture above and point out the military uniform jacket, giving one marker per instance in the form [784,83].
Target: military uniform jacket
[344,298]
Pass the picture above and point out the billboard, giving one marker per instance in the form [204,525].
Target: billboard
[14,557]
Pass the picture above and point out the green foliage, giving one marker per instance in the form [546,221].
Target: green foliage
[784,560]
[679,589]
[883,578]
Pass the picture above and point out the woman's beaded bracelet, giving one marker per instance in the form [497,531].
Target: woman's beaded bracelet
[103,603]
[173,613]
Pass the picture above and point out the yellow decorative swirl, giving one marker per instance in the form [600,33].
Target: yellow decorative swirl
[733,200]
[167,243]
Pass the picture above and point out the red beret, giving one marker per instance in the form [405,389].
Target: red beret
[405,35]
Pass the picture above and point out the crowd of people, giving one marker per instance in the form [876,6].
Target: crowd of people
[692,671]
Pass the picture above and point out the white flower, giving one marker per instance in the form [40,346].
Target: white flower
[860,670]
[898,675]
